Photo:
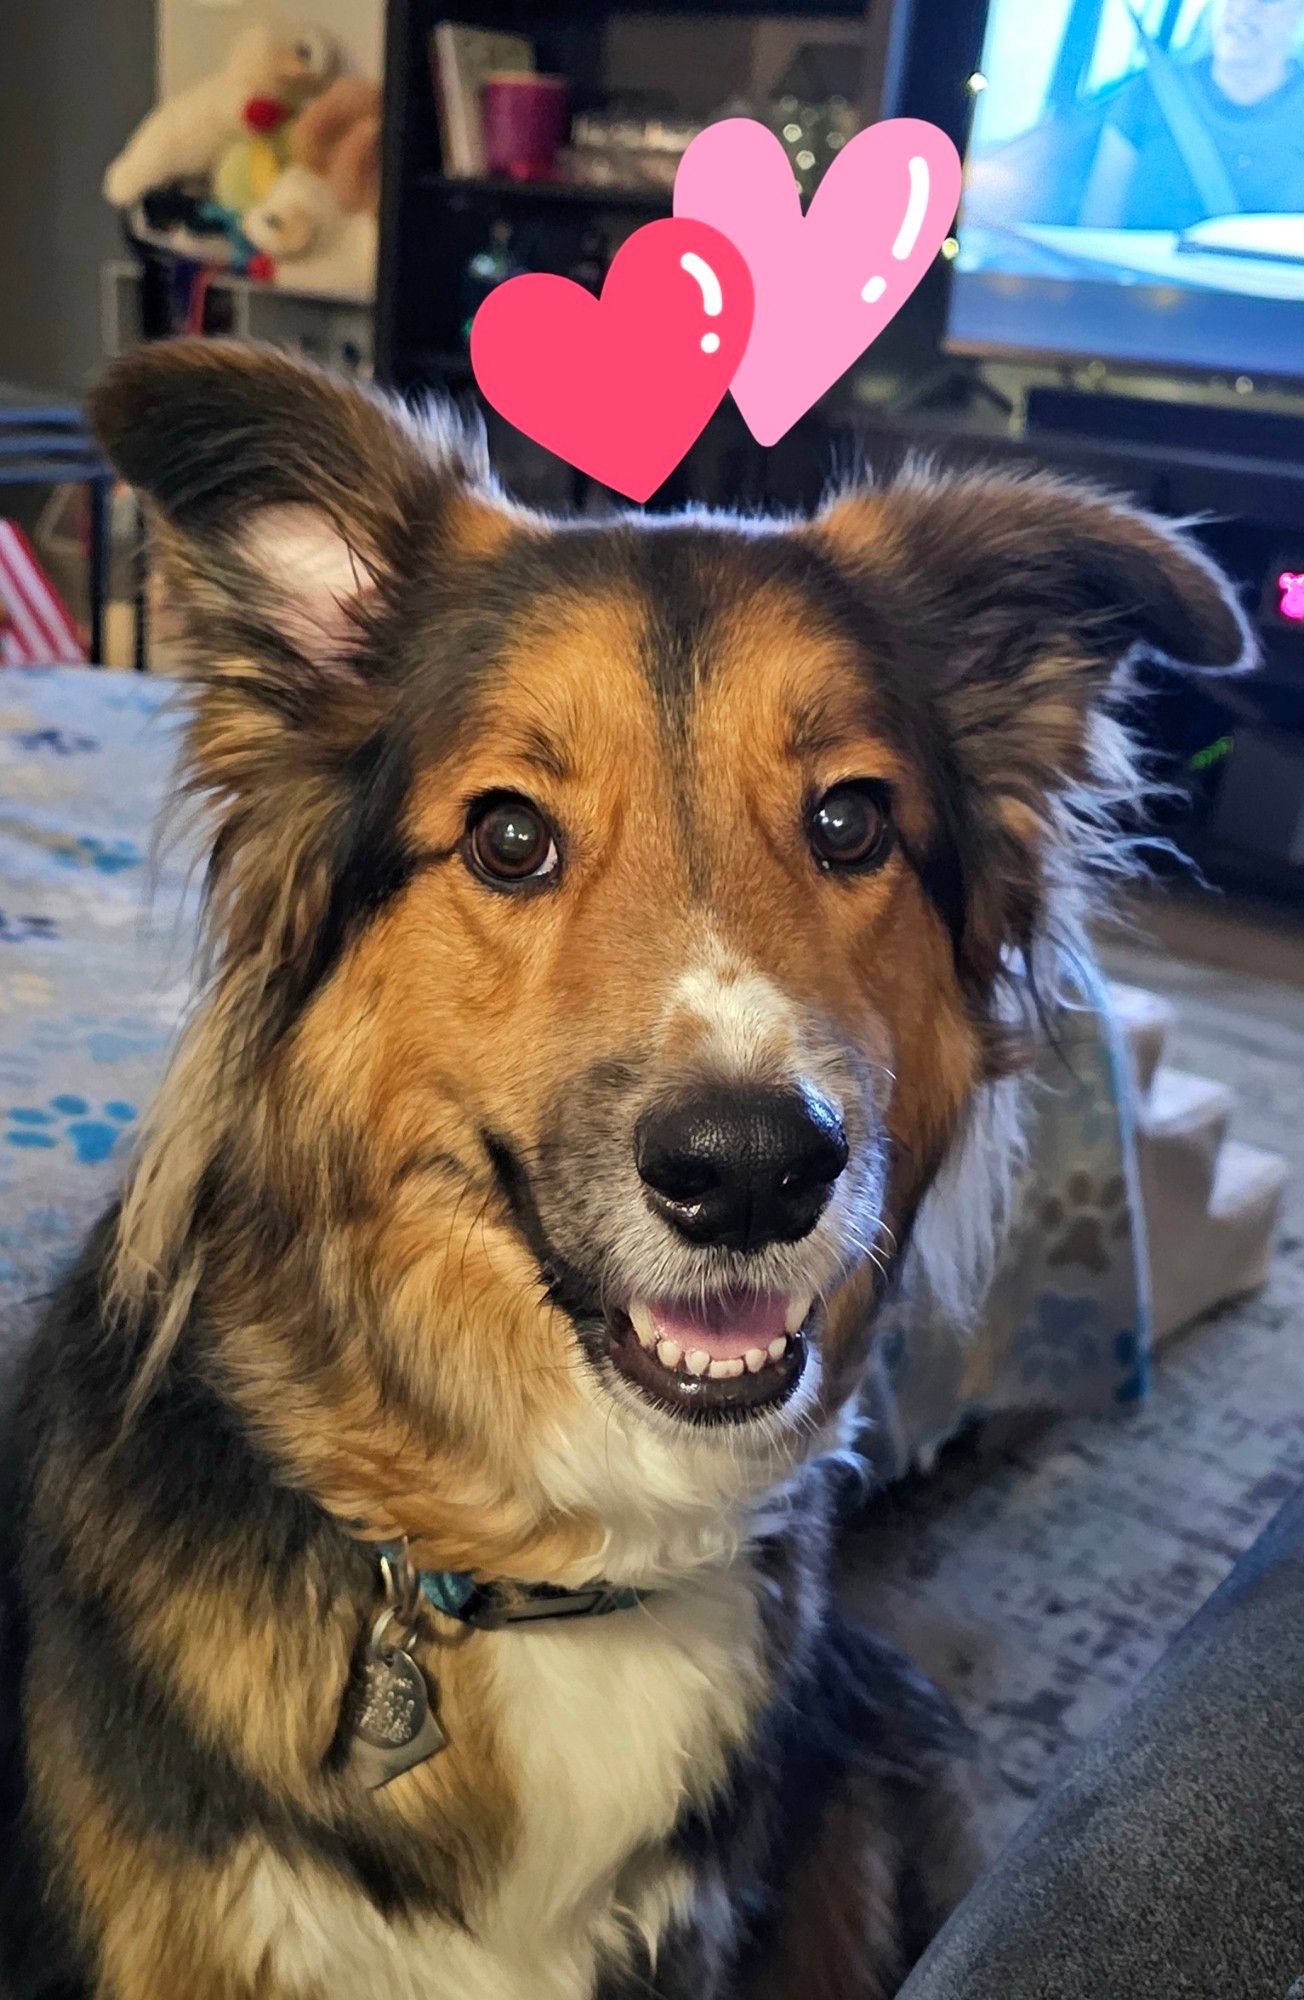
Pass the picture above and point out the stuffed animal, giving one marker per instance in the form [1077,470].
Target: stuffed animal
[252,164]
[319,222]
[184,137]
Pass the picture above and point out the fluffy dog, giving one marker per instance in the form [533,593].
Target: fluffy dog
[608,924]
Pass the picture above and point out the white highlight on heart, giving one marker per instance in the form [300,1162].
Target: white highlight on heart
[712,293]
[916,210]
[874,291]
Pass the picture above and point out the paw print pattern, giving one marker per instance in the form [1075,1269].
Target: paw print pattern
[15,929]
[110,857]
[69,1120]
[1084,1221]
[1060,1343]
[63,742]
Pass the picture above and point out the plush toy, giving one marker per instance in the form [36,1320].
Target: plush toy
[185,137]
[251,165]
[319,222]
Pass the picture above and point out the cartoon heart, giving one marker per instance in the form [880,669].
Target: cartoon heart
[621,385]
[828,282]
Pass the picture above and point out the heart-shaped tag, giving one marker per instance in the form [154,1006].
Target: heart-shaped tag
[621,385]
[829,281]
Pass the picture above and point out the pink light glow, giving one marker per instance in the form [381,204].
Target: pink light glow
[1291,585]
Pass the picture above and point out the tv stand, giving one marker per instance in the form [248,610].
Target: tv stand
[955,387]
[1221,430]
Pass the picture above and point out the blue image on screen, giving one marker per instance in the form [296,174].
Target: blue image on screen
[1134,186]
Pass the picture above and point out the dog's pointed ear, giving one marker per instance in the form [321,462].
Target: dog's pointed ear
[1016,605]
[1020,565]
[295,515]
[283,497]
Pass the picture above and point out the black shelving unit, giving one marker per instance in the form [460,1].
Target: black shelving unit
[505,197]
[432,224]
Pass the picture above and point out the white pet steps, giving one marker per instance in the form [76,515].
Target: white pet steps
[1211,1203]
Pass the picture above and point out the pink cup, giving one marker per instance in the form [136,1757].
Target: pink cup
[524,123]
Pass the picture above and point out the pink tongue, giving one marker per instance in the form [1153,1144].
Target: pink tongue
[724,1329]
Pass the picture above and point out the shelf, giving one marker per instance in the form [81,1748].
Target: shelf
[429,361]
[564,194]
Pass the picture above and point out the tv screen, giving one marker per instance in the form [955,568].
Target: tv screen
[1134,185]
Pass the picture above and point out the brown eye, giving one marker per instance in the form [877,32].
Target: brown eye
[509,842]
[850,827]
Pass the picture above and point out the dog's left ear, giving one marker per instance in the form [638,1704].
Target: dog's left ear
[1014,604]
[1011,567]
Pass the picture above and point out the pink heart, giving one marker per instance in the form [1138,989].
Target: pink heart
[828,282]
[620,386]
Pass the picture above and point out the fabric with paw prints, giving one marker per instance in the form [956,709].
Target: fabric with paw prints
[95,941]
[1065,1324]
[95,962]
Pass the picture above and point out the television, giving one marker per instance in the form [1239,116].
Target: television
[1134,185]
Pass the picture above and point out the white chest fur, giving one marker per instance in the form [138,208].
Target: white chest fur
[610,1726]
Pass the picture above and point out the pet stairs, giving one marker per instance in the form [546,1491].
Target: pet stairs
[1211,1203]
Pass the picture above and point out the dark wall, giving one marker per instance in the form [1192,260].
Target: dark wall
[75,76]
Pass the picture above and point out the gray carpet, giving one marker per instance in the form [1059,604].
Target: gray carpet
[1039,1581]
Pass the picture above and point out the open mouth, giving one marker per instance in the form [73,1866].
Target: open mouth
[735,1356]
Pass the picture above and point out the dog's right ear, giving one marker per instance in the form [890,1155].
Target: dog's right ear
[284,500]
[295,514]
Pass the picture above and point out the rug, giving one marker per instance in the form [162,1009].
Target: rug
[1038,1580]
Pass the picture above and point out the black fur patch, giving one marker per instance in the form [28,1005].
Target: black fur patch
[370,863]
[855,1706]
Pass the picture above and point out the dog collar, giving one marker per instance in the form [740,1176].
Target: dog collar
[491,1606]
[390,1721]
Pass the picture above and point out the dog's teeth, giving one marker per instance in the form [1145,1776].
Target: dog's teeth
[697,1362]
[641,1320]
[669,1353]
[726,1371]
[798,1313]
[778,1347]
[755,1358]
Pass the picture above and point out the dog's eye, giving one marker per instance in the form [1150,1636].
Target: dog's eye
[509,842]
[850,827]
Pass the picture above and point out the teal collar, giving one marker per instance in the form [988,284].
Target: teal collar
[490,1606]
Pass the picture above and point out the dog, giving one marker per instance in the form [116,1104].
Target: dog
[423,1573]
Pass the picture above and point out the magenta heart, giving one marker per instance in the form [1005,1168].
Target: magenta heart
[829,281]
[622,385]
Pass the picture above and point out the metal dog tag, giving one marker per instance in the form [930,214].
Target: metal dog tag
[391,1726]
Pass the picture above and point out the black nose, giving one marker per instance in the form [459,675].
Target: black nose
[741,1167]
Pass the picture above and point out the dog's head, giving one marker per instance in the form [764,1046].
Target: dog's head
[609,919]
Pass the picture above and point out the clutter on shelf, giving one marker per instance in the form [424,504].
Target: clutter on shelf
[634,141]
[269,168]
[500,118]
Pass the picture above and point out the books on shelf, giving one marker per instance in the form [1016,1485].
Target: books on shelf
[460,60]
